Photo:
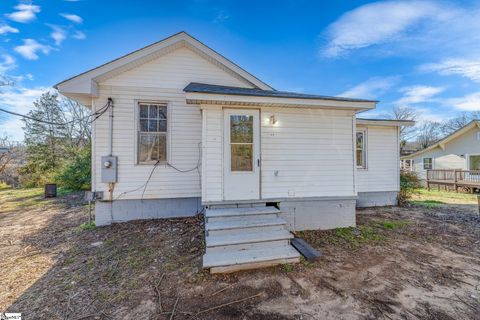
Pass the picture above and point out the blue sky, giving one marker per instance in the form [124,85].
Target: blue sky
[424,54]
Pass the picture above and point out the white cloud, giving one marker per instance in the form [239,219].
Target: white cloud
[469,102]
[441,28]
[20,100]
[79,35]
[30,48]
[375,23]
[7,64]
[466,68]
[24,13]
[417,94]
[5,28]
[372,88]
[72,17]
[58,34]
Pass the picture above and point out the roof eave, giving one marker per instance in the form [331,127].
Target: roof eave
[209,98]
[385,122]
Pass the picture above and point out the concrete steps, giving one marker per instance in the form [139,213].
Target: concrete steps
[246,238]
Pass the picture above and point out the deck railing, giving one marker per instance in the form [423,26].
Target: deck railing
[455,177]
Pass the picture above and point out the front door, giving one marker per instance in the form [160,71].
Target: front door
[241,154]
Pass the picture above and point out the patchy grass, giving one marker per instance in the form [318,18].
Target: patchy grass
[444,196]
[12,199]
[287,267]
[4,186]
[29,198]
[87,226]
[429,204]
[374,232]
[137,269]
[393,224]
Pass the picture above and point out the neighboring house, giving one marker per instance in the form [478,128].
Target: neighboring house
[189,130]
[459,150]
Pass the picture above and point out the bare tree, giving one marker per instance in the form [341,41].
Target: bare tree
[462,120]
[11,158]
[428,133]
[404,113]
[78,122]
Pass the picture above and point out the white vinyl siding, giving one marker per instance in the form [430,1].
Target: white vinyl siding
[383,160]
[176,70]
[453,157]
[162,79]
[310,149]
[307,153]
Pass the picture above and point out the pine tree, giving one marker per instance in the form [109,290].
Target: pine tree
[45,143]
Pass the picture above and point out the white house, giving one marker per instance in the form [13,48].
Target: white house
[459,150]
[187,129]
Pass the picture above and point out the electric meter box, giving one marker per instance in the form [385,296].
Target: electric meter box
[109,169]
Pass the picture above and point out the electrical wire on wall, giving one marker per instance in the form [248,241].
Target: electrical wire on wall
[144,186]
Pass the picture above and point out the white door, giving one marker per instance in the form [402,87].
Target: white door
[241,151]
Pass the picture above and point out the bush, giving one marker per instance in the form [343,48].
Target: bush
[75,174]
[409,182]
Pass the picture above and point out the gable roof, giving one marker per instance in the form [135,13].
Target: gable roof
[216,89]
[441,143]
[84,85]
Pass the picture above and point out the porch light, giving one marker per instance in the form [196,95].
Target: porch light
[273,120]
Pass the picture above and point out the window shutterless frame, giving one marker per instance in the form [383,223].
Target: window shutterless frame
[427,165]
[362,148]
[139,131]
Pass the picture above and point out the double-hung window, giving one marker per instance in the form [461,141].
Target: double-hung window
[427,163]
[361,150]
[152,132]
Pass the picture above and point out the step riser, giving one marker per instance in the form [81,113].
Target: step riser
[249,246]
[243,230]
[241,205]
[259,216]
[255,265]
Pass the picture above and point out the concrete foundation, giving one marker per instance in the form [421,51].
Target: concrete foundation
[318,213]
[377,199]
[126,210]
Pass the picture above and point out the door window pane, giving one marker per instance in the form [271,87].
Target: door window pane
[241,129]
[242,157]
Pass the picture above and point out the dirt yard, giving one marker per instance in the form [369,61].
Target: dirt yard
[420,262]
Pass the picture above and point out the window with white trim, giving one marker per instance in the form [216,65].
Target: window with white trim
[152,132]
[361,151]
[427,163]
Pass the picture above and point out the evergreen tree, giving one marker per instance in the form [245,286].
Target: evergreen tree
[44,142]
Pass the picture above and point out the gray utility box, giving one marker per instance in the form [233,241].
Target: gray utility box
[109,169]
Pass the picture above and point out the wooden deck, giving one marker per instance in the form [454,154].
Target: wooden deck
[469,180]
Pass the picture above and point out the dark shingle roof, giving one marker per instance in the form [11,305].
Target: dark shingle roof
[216,89]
